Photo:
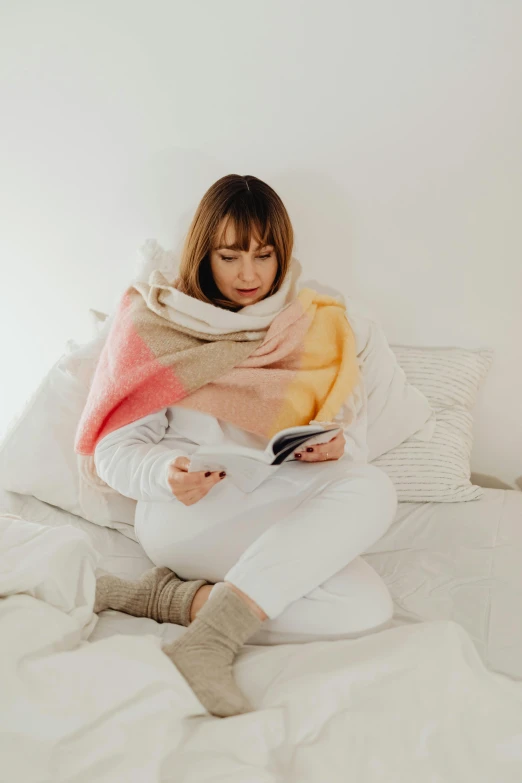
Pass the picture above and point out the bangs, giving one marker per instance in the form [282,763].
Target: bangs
[247,224]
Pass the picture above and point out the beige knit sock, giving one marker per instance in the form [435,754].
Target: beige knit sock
[205,654]
[160,594]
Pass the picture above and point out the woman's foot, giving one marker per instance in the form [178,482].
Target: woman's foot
[205,654]
[160,595]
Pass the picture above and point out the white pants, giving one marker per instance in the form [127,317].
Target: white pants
[293,545]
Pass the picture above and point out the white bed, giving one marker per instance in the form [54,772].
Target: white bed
[441,561]
[461,562]
[403,704]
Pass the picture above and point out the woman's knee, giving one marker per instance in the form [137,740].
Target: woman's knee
[353,602]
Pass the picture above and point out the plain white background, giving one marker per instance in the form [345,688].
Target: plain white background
[391,130]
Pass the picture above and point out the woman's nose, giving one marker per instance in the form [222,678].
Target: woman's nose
[247,271]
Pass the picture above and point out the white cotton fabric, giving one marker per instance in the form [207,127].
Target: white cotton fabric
[135,459]
[37,452]
[307,577]
[397,409]
[460,561]
[407,703]
[293,546]
[440,561]
[438,469]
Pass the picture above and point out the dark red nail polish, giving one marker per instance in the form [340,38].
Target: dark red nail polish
[297,456]
[222,474]
[309,448]
[207,474]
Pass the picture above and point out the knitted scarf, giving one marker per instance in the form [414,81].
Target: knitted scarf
[259,371]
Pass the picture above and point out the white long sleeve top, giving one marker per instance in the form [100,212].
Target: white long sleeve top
[134,460]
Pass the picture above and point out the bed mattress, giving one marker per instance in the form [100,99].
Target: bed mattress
[441,561]
[461,562]
[88,698]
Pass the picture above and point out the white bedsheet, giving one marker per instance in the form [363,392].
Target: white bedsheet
[441,561]
[413,703]
[462,562]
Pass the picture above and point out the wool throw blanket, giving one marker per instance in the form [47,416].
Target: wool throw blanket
[302,367]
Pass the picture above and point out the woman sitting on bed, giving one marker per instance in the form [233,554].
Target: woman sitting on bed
[230,353]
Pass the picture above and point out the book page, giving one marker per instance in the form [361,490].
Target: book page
[247,468]
[247,474]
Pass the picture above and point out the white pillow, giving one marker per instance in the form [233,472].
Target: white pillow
[439,470]
[37,455]
[397,409]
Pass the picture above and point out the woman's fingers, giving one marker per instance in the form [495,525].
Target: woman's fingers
[185,482]
[189,496]
[182,482]
[183,463]
[321,452]
[181,476]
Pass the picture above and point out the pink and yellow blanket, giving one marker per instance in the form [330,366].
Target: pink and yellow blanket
[303,367]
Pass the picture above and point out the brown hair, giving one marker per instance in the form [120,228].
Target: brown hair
[253,206]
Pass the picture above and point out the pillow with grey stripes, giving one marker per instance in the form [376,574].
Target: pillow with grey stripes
[438,469]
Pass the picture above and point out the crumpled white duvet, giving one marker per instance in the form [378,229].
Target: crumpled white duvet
[413,703]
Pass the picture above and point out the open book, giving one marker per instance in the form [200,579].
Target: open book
[248,468]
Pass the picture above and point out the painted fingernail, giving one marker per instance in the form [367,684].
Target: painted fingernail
[207,474]
[222,474]
[297,456]
[309,448]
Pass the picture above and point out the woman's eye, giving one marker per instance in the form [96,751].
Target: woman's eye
[231,258]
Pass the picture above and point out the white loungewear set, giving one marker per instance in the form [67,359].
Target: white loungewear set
[293,545]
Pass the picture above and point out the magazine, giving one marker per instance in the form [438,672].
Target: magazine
[247,468]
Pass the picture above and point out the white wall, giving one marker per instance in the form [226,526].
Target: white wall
[391,131]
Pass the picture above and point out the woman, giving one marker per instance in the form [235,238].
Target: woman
[285,558]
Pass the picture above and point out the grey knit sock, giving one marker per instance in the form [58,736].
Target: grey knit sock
[205,654]
[160,594]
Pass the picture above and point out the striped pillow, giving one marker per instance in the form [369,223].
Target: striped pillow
[438,469]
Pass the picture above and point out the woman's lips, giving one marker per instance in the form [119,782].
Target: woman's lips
[247,291]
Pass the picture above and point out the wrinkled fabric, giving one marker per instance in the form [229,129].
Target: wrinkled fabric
[411,703]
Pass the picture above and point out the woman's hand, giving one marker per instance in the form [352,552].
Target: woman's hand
[190,487]
[322,452]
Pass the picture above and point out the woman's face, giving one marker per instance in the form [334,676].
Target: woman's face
[243,277]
